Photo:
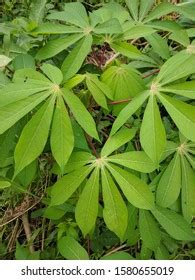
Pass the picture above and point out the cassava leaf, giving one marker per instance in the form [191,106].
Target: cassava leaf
[136,160]
[80,113]
[152,133]
[116,141]
[182,114]
[87,206]
[135,190]
[76,57]
[115,211]
[174,224]
[170,183]
[62,139]
[34,136]
[149,230]
[67,185]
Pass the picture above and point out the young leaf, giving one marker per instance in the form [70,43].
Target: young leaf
[11,113]
[52,72]
[70,249]
[34,136]
[135,190]
[4,184]
[149,230]
[62,139]
[174,224]
[115,211]
[74,60]
[182,114]
[170,183]
[87,206]
[67,185]
[136,160]
[129,110]
[80,113]
[114,142]
[152,133]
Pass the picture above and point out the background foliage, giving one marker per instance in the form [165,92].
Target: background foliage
[97,129]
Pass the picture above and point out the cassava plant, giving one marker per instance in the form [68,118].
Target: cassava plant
[97,130]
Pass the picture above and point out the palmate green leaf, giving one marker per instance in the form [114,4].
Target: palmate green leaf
[186,89]
[97,93]
[53,73]
[76,57]
[11,113]
[129,110]
[14,92]
[136,160]
[55,28]
[115,211]
[87,206]
[135,190]
[159,11]
[34,136]
[67,185]
[53,47]
[149,230]
[152,133]
[159,45]
[61,139]
[70,249]
[170,183]
[126,49]
[178,66]
[114,142]
[174,224]
[74,13]
[188,190]
[80,113]
[182,114]
[124,83]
